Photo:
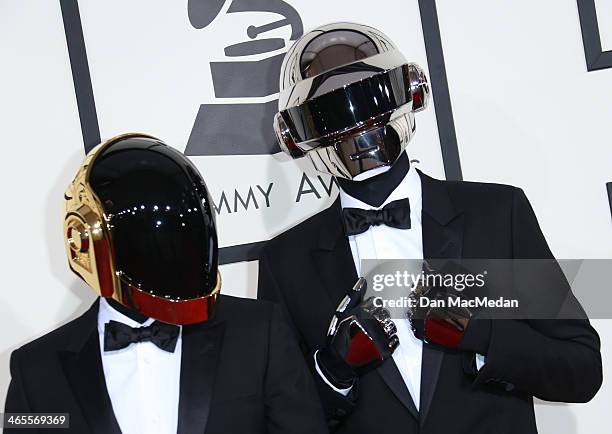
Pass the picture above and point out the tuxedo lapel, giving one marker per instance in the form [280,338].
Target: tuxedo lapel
[82,365]
[442,227]
[201,348]
[332,257]
[335,266]
[393,378]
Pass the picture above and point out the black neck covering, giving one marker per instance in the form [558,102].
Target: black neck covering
[132,314]
[375,190]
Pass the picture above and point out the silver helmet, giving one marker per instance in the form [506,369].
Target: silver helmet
[347,99]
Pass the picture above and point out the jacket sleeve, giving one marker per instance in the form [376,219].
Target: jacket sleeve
[552,359]
[16,399]
[335,405]
[292,405]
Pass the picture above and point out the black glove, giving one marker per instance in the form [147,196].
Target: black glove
[450,325]
[444,326]
[359,338]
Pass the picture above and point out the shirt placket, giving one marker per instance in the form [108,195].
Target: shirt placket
[147,388]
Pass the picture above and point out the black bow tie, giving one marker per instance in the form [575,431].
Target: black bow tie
[118,335]
[395,214]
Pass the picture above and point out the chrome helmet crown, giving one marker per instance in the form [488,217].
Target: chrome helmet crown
[347,99]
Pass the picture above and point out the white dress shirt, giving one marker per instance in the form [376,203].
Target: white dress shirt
[384,242]
[143,381]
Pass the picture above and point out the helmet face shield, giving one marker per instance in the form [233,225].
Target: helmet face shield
[345,87]
[356,154]
[158,222]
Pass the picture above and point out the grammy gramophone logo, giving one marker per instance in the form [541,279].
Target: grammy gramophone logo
[216,130]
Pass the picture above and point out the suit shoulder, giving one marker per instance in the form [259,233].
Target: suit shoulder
[471,193]
[245,309]
[481,188]
[302,233]
[52,342]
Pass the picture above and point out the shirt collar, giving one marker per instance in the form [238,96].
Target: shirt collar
[409,187]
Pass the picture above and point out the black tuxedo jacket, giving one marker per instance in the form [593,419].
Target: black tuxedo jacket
[309,268]
[241,373]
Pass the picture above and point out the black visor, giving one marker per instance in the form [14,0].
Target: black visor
[160,218]
[344,108]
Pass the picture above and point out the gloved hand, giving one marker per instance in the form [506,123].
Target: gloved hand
[444,326]
[359,338]
[448,324]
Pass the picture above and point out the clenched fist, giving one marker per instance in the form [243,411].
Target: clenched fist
[359,338]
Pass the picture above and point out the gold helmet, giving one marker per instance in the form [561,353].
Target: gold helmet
[139,227]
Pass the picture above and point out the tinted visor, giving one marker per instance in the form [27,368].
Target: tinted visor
[160,218]
[345,108]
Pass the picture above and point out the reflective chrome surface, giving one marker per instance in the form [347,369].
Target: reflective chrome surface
[155,202]
[348,99]
[140,228]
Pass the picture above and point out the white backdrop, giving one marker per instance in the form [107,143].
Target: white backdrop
[526,112]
